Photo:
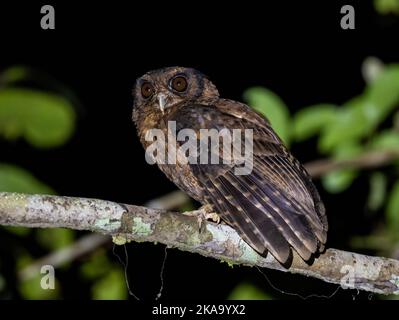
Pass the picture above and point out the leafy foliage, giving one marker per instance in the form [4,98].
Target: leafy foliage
[247,291]
[15,179]
[55,238]
[112,286]
[310,121]
[378,190]
[43,119]
[385,140]
[340,180]
[387,6]
[31,290]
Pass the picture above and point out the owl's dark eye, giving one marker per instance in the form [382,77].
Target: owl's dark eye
[179,83]
[147,90]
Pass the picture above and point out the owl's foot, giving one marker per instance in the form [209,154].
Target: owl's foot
[203,214]
[213,216]
[208,213]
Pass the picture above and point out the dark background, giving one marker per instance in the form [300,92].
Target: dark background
[98,50]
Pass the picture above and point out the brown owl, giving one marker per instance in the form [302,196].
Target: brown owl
[275,206]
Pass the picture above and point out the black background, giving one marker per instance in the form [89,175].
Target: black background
[98,49]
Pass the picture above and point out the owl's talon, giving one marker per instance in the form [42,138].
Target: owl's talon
[213,216]
[203,214]
[210,214]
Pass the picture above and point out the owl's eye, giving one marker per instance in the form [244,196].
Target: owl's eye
[147,90]
[179,83]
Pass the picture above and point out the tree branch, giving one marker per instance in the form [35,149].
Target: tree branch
[134,223]
[371,159]
[90,242]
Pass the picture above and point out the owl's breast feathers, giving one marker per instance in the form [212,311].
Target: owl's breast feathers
[275,206]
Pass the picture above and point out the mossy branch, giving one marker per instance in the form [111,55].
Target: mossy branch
[134,223]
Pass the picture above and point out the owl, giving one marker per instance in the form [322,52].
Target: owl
[275,207]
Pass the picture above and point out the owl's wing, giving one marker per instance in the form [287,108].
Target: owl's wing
[276,205]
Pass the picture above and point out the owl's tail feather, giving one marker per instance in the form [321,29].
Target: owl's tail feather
[259,220]
[233,213]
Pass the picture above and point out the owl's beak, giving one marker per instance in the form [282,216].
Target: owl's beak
[161,101]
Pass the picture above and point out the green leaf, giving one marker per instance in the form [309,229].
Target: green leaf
[31,289]
[340,180]
[24,259]
[19,231]
[371,68]
[15,179]
[353,121]
[392,210]
[383,93]
[110,287]
[43,119]
[271,106]
[387,6]
[309,121]
[386,140]
[360,116]
[246,291]
[347,150]
[377,193]
[96,266]
[14,74]
[55,238]
[378,241]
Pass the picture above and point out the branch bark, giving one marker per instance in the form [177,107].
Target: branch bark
[90,242]
[134,223]
[371,159]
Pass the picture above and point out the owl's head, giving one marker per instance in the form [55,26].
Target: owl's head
[162,89]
